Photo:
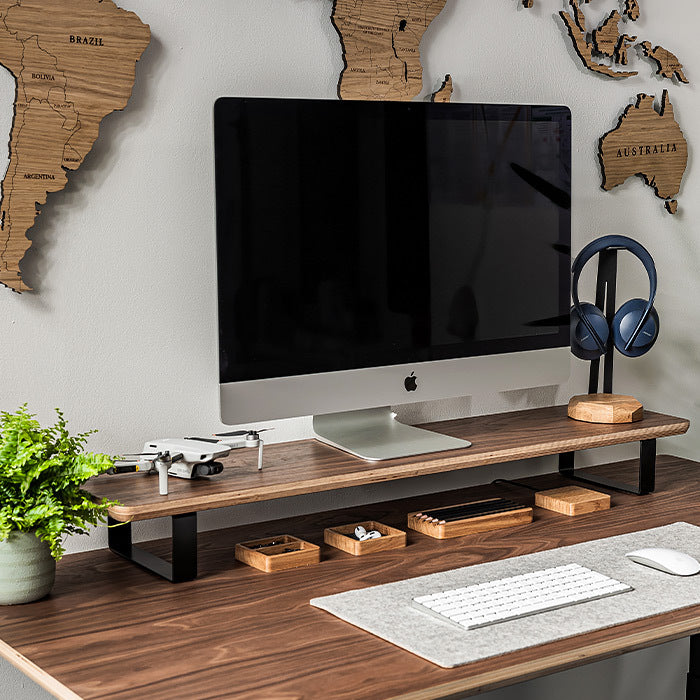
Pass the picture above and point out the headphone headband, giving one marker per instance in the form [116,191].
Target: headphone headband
[608,243]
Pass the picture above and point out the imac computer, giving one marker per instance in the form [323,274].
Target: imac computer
[379,253]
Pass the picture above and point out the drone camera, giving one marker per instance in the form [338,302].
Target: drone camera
[208,469]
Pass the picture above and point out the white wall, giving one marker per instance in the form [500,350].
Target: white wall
[121,331]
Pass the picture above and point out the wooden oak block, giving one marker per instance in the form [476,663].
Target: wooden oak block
[341,537]
[468,526]
[278,553]
[572,500]
[605,408]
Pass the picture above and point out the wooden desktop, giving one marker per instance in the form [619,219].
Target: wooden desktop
[112,630]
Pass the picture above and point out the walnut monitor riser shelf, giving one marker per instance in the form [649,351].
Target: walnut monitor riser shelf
[308,466]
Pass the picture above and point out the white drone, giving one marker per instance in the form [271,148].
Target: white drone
[189,457]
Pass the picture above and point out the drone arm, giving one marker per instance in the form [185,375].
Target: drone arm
[162,468]
[162,463]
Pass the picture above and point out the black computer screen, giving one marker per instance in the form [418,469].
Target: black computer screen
[363,234]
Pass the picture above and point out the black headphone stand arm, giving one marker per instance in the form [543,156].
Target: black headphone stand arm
[605,297]
[606,287]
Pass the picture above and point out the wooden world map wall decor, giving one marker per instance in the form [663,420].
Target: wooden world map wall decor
[381,40]
[74,63]
[444,92]
[606,41]
[381,54]
[648,143]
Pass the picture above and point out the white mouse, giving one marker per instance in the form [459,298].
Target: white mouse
[668,560]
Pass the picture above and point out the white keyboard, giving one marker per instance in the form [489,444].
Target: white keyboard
[519,596]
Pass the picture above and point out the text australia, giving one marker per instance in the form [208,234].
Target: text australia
[630,151]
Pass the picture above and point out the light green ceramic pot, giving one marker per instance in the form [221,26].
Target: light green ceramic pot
[27,569]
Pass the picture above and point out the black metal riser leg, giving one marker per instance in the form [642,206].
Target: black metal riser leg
[646,479]
[692,686]
[184,548]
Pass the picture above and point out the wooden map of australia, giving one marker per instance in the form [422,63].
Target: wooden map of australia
[74,63]
[648,143]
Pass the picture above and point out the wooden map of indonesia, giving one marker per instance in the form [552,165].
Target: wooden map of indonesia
[74,63]
[608,41]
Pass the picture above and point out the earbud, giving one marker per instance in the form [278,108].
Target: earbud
[363,535]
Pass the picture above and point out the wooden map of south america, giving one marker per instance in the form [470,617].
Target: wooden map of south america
[74,63]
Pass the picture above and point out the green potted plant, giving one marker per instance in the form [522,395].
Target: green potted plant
[41,472]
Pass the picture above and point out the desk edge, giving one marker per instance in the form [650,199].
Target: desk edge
[38,675]
[557,662]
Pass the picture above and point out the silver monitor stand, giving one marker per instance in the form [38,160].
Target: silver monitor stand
[374,434]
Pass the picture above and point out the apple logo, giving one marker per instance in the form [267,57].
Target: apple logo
[410,382]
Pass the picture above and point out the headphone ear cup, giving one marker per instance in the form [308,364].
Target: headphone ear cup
[626,320]
[583,344]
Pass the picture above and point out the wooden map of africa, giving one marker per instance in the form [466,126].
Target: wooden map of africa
[381,46]
[74,63]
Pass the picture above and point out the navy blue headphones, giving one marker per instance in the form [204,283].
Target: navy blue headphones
[635,325]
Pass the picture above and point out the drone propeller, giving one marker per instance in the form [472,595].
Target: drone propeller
[238,433]
[135,455]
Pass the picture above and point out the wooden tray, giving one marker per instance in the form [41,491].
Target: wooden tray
[278,553]
[458,528]
[341,537]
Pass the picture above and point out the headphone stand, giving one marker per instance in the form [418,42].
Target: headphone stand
[606,288]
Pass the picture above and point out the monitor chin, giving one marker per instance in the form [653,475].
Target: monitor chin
[376,387]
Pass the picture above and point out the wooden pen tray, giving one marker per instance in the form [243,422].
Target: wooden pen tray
[342,537]
[519,515]
[278,553]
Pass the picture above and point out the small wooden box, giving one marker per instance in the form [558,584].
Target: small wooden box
[341,537]
[278,553]
[468,526]
[572,500]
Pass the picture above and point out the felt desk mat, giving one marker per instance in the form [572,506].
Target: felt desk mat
[386,610]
